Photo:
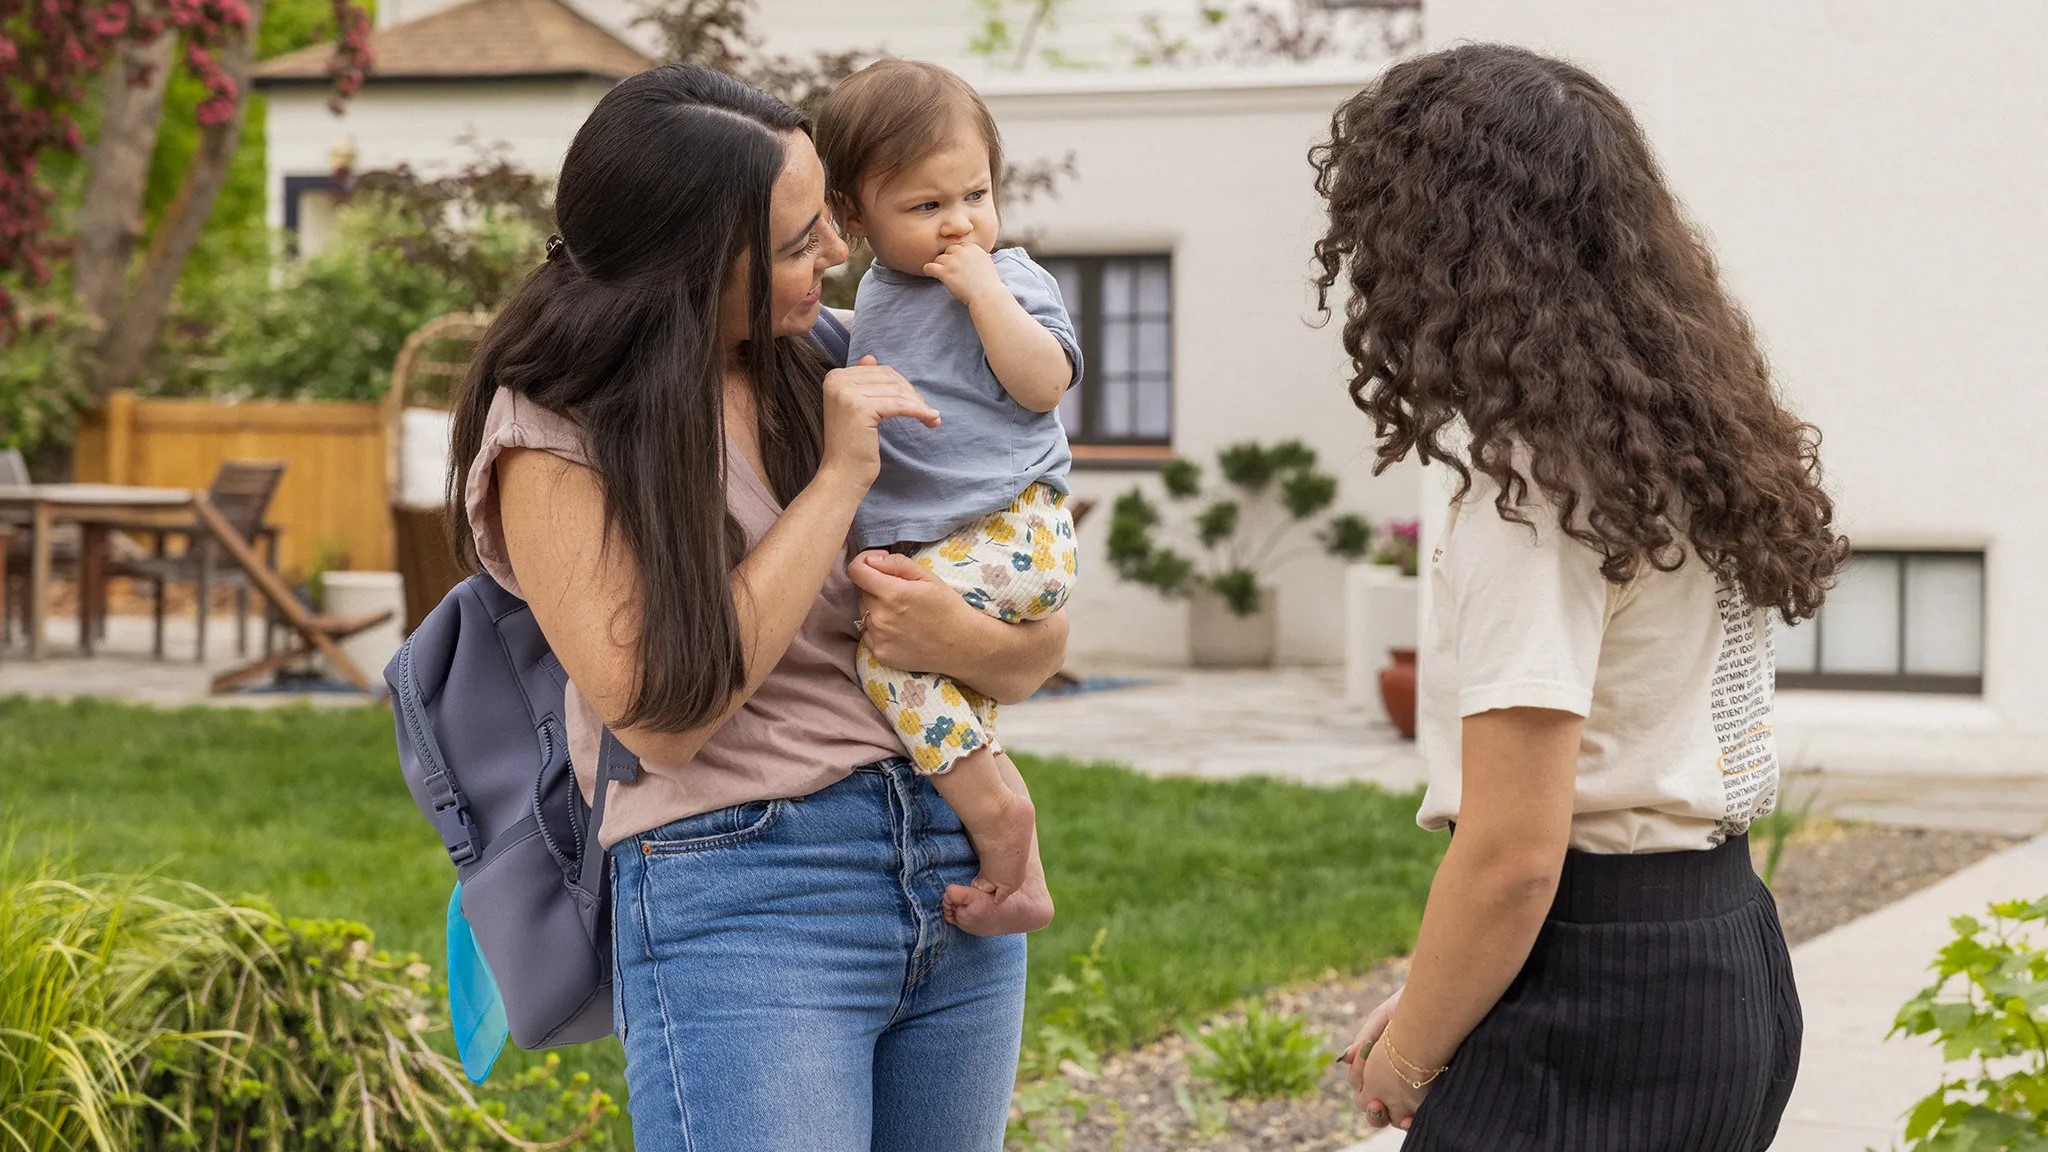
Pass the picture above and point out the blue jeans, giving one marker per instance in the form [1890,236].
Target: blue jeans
[784,979]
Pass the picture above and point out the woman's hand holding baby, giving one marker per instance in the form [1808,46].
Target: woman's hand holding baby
[857,400]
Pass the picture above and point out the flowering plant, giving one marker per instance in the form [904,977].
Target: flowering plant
[1400,546]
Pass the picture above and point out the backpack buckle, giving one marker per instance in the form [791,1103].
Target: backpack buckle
[458,832]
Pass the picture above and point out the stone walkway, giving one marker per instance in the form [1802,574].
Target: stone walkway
[1294,723]
[1287,722]
[1855,1086]
[122,668]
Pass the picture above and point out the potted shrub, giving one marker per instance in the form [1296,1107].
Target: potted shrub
[1267,497]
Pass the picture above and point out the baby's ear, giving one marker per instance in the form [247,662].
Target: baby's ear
[847,213]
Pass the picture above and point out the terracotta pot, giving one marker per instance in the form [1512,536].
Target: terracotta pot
[1397,690]
[1220,638]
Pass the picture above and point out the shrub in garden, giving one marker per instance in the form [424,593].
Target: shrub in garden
[140,1014]
[77,968]
[324,328]
[329,326]
[1264,1057]
[1235,529]
[1988,1008]
[45,371]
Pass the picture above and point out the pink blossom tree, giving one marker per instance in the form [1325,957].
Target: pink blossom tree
[57,57]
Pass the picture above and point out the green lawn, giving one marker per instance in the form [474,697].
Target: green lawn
[1210,890]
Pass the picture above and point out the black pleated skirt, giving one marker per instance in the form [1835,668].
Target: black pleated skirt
[1657,1013]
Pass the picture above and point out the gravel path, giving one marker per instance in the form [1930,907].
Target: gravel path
[1829,876]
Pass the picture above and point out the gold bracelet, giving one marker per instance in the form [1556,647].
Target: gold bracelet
[1395,1060]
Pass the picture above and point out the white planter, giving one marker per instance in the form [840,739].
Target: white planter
[360,594]
[1220,638]
[1381,612]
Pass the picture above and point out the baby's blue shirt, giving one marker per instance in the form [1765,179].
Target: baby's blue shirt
[987,448]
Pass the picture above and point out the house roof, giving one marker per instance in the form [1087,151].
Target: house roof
[477,40]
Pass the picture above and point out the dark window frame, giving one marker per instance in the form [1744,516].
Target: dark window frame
[296,187]
[1093,448]
[1899,680]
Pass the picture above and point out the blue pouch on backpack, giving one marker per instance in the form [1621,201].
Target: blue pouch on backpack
[473,1001]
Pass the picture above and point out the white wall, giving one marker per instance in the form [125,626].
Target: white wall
[1874,177]
[422,124]
[1219,177]
[1095,34]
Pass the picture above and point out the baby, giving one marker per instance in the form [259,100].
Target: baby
[911,162]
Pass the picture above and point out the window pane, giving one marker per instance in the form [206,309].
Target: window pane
[1118,289]
[1068,273]
[1153,299]
[1117,339]
[1862,629]
[1945,615]
[1793,646]
[318,220]
[1154,355]
[1115,410]
[1070,411]
[1155,407]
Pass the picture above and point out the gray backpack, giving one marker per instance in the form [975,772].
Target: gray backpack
[485,751]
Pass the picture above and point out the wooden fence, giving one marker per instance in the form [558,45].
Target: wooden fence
[332,497]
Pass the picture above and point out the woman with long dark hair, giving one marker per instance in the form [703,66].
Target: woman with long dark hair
[653,452]
[1598,967]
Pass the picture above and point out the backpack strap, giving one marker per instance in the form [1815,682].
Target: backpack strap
[614,762]
[450,814]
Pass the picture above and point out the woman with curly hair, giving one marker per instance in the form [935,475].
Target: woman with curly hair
[1598,965]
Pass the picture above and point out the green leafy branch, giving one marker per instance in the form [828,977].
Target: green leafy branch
[1273,492]
[1988,1005]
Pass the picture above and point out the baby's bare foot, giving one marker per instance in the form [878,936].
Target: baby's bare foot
[975,911]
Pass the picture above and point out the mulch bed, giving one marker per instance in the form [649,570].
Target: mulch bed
[1828,877]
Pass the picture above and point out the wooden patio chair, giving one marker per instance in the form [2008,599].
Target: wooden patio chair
[315,632]
[430,366]
[240,494]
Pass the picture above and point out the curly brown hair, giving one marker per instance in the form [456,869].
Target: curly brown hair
[1516,263]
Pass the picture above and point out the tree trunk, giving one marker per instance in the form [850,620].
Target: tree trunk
[110,218]
[131,336]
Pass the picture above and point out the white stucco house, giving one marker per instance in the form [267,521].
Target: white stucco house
[516,75]
[1871,175]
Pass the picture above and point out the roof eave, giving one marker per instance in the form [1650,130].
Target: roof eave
[381,78]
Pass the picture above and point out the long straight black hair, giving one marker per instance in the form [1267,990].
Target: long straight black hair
[665,190]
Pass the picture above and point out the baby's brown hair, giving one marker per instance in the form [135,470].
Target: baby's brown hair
[887,116]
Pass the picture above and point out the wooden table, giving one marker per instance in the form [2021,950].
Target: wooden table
[96,506]
[87,505]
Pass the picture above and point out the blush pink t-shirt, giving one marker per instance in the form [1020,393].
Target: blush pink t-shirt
[808,725]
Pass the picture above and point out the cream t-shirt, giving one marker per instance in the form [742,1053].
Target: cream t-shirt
[1671,671]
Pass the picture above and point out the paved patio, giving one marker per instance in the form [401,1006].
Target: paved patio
[122,668]
[1286,722]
